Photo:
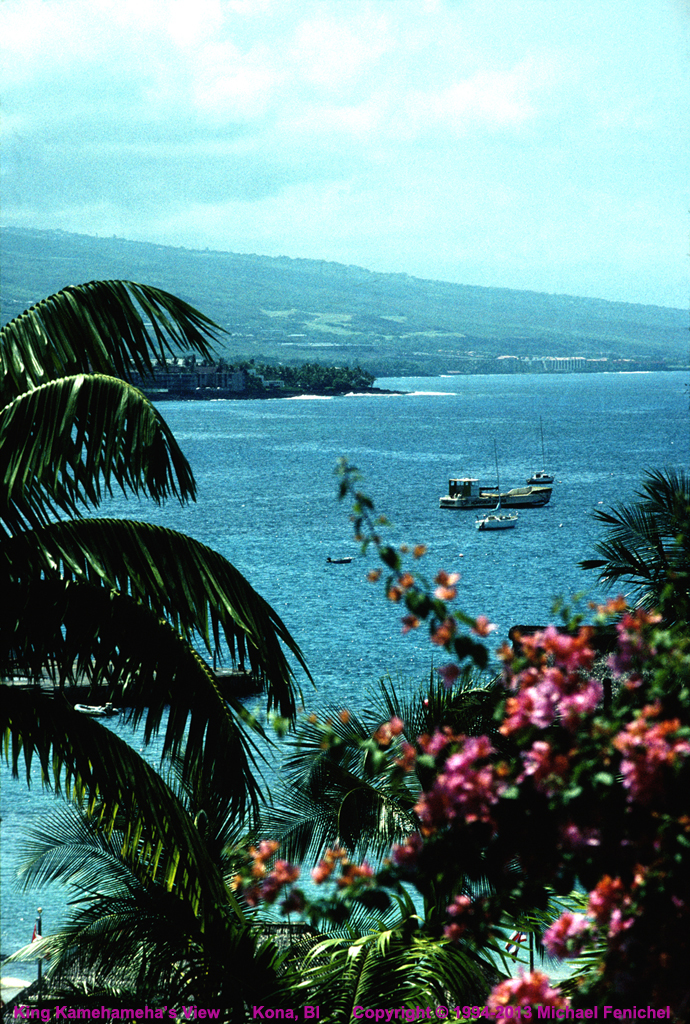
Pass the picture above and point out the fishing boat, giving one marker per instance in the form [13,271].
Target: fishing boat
[339,561]
[541,476]
[97,710]
[466,493]
[497,520]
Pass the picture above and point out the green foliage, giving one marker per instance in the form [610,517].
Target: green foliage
[344,782]
[647,544]
[120,605]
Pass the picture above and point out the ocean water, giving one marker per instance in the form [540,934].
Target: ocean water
[268,501]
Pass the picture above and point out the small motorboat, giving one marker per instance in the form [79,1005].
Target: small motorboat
[339,561]
[97,710]
[497,520]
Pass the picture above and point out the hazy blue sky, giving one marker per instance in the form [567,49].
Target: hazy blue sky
[536,144]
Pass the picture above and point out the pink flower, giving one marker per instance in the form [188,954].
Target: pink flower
[605,897]
[446,590]
[406,856]
[535,705]
[633,644]
[575,838]
[408,757]
[482,626]
[321,872]
[434,745]
[619,923]
[648,750]
[565,937]
[466,788]
[444,633]
[449,673]
[526,990]
[547,768]
[385,732]
[284,873]
[459,906]
[575,706]
[352,873]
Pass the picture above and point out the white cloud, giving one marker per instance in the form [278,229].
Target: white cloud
[433,138]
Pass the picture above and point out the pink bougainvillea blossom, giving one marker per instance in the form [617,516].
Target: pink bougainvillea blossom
[445,591]
[482,626]
[466,789]
[633,644]
[407,854]
[449,674]
[608,894]
[444,633]
[545,767]
[648,749]
[526,990]
[573,707]
[566,936]
[575,838]
[386,732]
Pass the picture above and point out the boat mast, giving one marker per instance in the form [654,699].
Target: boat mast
[498,481]
[543,453]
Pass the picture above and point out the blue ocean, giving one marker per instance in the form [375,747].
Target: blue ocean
[268,502]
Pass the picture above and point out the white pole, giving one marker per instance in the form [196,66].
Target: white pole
[40,962]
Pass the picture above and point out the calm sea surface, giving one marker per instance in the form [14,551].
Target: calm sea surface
[268,502]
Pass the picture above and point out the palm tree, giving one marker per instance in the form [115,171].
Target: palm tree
[389,968]
[353,792]
[129,936]
[647,544]
[125,605]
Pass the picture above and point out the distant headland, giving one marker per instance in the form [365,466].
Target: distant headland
[282,312]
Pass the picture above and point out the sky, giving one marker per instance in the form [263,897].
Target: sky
[531,144]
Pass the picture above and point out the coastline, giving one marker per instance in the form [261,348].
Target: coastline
[213,394]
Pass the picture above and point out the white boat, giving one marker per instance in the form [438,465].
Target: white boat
[339,561]
[497,520]
[541,476]
[97,710]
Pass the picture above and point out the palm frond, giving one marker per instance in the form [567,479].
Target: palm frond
[92,766]
[138,661]
[342,793]
[647,541]
[129,935]
[202,595]
[64,444]
[386,969]
[110,327]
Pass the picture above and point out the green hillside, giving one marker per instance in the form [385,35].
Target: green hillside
[294,310]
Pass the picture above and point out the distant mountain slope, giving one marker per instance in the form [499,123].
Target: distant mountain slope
[295,309]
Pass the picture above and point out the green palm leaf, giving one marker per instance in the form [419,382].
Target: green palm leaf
[63,444]
[90,764]
[385,968]
[202,595]
[348,792]
[110,327]
[647,543]
[147,667]
[130,935]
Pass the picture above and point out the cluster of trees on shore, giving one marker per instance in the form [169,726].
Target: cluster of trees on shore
[438,824]
[316,377]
